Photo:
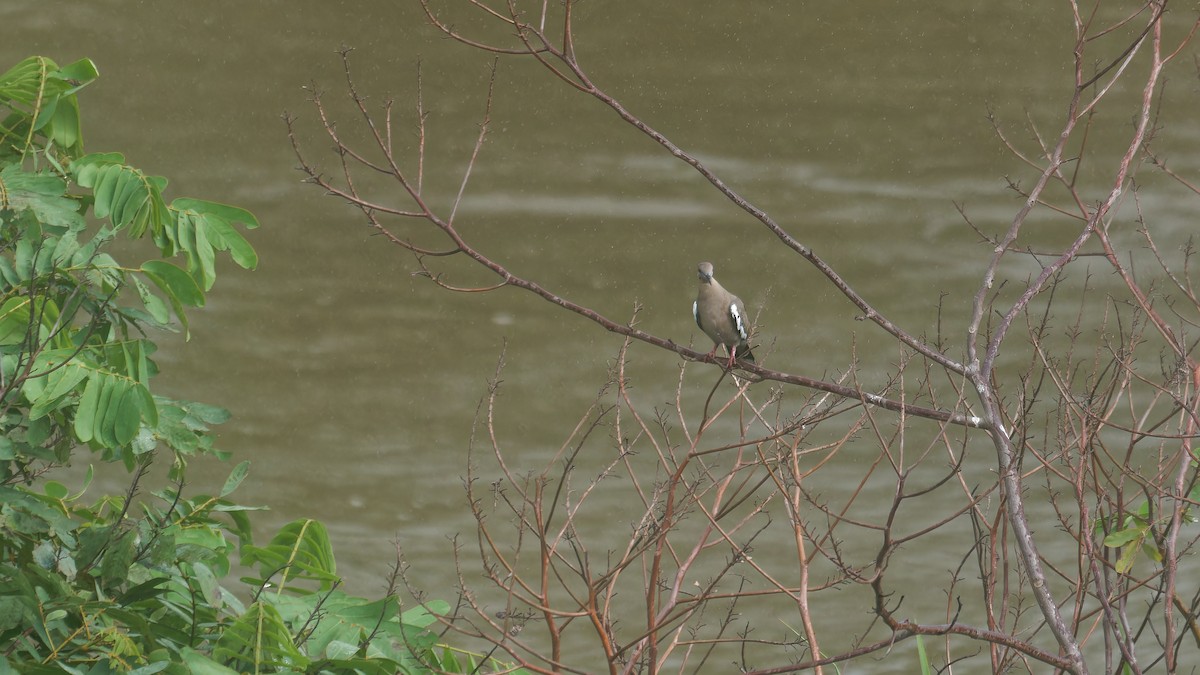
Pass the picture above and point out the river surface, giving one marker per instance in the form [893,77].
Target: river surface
[354,384]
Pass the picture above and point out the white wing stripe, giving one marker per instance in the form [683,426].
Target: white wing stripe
[737,320]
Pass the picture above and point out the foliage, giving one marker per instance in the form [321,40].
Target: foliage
[115,585]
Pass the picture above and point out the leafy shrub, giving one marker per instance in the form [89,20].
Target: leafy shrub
[115,585]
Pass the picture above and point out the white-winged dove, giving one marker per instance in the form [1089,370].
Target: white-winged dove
[722,316]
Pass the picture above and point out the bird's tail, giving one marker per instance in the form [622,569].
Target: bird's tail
[743,352]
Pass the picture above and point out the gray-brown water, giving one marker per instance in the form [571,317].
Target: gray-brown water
[354,384]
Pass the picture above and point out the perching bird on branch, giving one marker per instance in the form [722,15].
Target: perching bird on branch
[722,316]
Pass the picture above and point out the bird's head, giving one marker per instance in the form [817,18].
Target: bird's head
[705,271]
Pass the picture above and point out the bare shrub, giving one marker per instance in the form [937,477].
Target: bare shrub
[1071,523]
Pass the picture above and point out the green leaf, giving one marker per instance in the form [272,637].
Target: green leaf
[9,273]
[78,74]
[1127,558]
[63,126]
[153,215]
[155,306]
[235,478]
[25,81]
[49,93]
[145,590]
[1152,551]
[300,551]
[230,239]
[258,641]
[85,414]
[922,656]
[213,225]
[449,662]
[199,664]
[65,249]
[144,442]
[146,404]
[225,212]
[103,430]
[128,417]
[107,179]
[183,232]
[205,256]
[56,490]
[205,414]
[14,320]
[23,258]
[132,192]
[176,283]
[151,669]
[105,272]
[210,586]
[1122,537]
[120,191]
[347,620]
[58,383]
[45,195]
[87,169]
[340,649]
[118,557]
[422,615]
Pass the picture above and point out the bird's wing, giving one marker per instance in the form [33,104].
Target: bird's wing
[737,312]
